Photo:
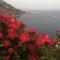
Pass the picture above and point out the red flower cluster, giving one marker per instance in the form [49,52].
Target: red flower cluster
[12,40]
[44,39]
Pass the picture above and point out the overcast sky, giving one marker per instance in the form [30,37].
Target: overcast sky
[35,4]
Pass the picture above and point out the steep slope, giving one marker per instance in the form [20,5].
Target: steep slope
[8,9]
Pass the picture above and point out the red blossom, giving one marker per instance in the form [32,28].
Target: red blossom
[1,35]
[52,42]
[5,18]
[2,15]
[32,48]
[58,31]
[20,43]
[24,37]
[40,42]
[32,57]
[14,24]
[22,24]
[45,36]
[6,43]
[34,31]
[6,58]
[11,33]
[11,50]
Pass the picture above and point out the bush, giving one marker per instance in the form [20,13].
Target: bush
[17,43]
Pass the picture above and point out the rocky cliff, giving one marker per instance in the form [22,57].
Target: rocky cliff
[8,9]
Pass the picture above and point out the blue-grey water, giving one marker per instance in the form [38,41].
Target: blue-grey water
[44,21]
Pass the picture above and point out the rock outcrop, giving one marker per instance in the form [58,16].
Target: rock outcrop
[8,9]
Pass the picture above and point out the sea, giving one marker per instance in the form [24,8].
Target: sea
[47,21]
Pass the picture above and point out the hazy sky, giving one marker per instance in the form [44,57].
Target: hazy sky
[35,4]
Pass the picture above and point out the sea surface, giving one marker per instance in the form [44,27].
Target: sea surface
[44,21]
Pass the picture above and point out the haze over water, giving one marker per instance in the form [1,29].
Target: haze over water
[44,21]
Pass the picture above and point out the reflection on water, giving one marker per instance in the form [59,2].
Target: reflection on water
[44,22]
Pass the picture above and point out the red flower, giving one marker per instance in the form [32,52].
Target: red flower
[22,24]
[7,19]
[33,30]
[52,42]
[32,48]
[2,15]
[20,43]
[11,33]
[6,43]
[32,57]
[6,58]
[24,37]
[4,18]
[43,40]
[58,31]
[45,36]
[11,50]
[40,42]
[14,24]
[1,35]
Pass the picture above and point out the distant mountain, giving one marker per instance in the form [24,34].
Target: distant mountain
[8,9]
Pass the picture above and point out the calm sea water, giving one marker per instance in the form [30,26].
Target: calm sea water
[44,21]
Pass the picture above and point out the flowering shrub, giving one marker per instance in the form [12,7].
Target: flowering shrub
[18,44]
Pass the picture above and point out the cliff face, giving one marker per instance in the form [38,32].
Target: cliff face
[8,9]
